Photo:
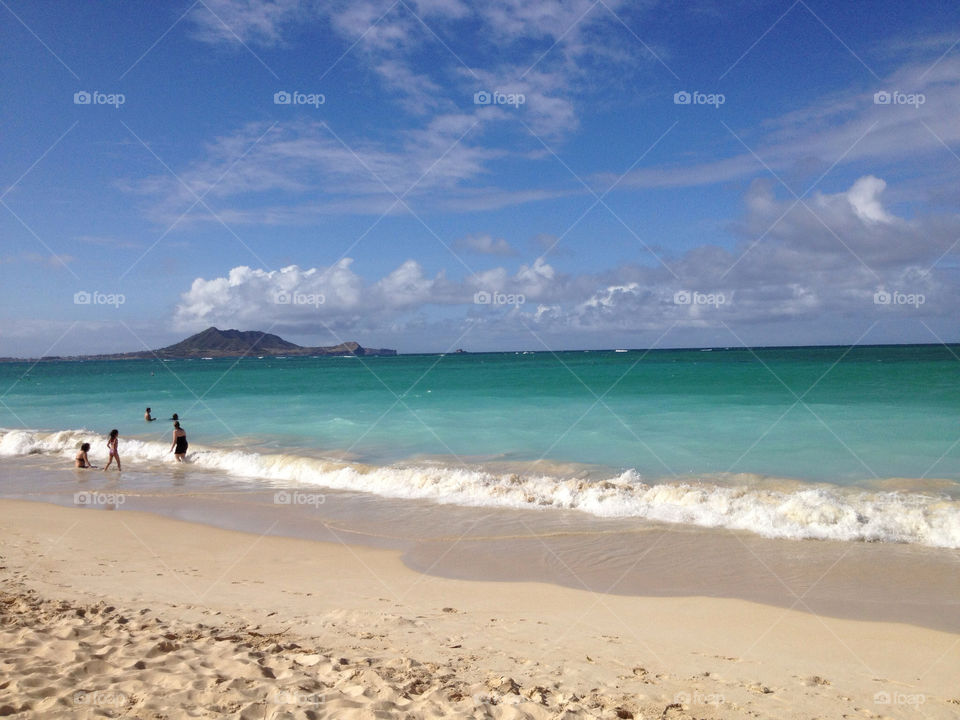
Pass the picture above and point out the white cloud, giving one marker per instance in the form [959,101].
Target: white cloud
[419,94]
[556,49]
[864,197]
[258,22]
[317,171]
[817,266]
[847,128]
[485,244]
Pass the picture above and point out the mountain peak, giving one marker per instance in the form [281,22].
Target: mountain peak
[234,342]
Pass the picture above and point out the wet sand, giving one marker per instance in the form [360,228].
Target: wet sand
[868,581]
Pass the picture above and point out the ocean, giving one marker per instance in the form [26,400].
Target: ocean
[850,444]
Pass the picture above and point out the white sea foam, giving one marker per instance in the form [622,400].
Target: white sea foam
[800,510]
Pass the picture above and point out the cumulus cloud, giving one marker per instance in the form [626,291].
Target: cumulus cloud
[337,296]
[864,197]
[293,296]
[834,258]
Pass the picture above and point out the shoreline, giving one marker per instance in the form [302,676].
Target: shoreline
[914,511]
[412,643]
[885,582]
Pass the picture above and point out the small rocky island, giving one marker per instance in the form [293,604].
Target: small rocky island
[216,343]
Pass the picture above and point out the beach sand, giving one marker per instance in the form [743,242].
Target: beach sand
[126,614]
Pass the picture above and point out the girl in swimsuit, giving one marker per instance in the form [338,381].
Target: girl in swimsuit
[112,444]
[81,460]
[179,445]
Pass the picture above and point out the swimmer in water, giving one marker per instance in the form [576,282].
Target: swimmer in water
[179,445]
[81,460]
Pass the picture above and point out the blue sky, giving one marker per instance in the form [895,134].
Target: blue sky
[585,206]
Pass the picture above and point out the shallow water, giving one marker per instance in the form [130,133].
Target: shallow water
[855,444]
[869,581]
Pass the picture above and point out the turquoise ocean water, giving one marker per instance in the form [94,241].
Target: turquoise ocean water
[805,442]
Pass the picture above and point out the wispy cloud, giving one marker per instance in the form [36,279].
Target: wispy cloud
[847,128]
[258,22]
[442,166]
[484,244]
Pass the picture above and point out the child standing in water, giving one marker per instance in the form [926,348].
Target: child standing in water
[113,443]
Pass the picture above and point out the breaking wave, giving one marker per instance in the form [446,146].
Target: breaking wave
[778,510]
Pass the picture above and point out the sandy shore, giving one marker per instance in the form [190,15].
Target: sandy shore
[124,614]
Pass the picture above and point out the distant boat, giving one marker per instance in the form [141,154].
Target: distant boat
[206,358]
[620,351]
[706,349]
